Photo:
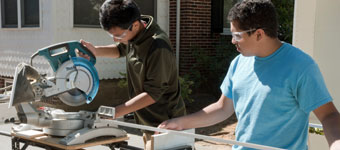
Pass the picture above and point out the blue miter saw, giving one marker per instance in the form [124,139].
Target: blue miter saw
[75,82]
[75,79]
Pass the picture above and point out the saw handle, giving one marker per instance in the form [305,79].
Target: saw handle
[59,53]
[85,50]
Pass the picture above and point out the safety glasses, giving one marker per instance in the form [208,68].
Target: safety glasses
[237,36]
[123,35]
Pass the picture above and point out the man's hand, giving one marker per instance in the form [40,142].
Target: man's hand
[335,145]
[172,124]
[89,46]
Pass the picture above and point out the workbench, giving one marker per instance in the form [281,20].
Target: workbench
[52,143]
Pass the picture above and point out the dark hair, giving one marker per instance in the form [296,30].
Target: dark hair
[255,14]
[118,13]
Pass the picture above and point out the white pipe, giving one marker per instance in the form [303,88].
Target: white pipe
[315,125]
[198,136]
[178,27]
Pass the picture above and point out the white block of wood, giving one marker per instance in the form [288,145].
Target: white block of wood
[166,141]
[29,133]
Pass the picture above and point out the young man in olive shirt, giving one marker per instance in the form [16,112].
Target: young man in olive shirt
[151,67]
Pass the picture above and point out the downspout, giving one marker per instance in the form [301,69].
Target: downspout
[178,19]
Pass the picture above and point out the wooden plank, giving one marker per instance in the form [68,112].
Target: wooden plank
[54,141]
[171,141]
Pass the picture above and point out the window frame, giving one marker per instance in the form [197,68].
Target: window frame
[19,18]
[226,31]
[219,15]
[81,25]
[155,9]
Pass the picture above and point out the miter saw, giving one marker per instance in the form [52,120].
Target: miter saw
[75,82]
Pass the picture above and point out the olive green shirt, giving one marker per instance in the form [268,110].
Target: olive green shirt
[151,68]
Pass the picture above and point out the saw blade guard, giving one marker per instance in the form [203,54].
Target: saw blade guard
[79,61]
[82,81]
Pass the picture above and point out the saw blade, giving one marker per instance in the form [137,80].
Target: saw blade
[74,97]
[80,79]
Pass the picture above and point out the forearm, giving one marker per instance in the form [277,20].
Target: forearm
[332,129]
[211,117]
[110,51]
[138,102]
[212,114]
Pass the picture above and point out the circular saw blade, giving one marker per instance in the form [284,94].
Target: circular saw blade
[73,97]
[82,80]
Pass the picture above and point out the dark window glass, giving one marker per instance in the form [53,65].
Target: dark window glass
[9,14]
[147,7]
[30,13]
[227,6]
[86,13]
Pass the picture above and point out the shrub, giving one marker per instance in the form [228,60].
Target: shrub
[186,89]
[210,70]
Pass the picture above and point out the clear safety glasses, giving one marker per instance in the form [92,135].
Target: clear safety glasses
[123,35]
[237,36]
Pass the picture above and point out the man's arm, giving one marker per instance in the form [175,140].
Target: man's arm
[110,51]
[330,120]
[210,115]
[138,102]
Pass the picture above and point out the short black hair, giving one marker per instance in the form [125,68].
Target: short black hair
[118,13]
[255,14]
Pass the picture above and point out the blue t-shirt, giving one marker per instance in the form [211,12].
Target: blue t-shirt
[273,97]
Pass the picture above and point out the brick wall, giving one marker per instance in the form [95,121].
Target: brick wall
[195,30]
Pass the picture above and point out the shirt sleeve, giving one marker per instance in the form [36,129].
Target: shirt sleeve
[311,89]
[122,49]
[227,84]
[161,67]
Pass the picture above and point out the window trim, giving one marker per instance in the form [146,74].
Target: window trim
[19,25]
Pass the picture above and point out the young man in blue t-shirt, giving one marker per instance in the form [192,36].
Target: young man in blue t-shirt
[272,86]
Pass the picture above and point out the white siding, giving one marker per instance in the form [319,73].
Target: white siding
[56,26]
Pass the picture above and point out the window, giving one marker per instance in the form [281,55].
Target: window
[226,7]
[219,13]
[26,16]
[148,7]
[30,13]
[86,12]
